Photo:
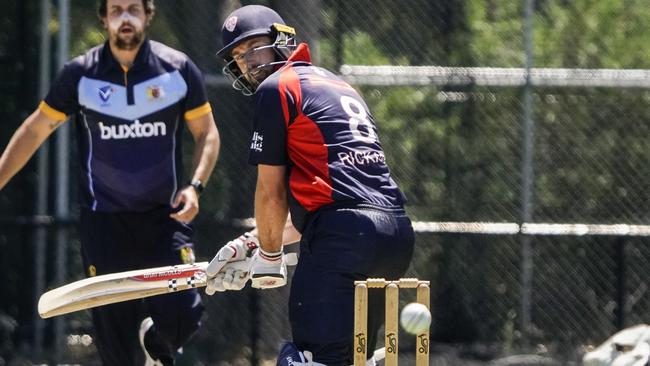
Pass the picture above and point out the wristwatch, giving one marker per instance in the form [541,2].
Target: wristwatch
[198,186]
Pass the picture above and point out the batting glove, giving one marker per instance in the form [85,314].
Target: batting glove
[268,270]
[222,277]
[233,276]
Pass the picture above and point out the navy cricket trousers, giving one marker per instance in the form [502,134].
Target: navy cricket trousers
[338,247]
[116,242]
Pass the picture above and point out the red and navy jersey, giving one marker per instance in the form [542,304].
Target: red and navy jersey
[317,125]
[129,123]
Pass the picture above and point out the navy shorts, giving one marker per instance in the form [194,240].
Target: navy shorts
[116,242]
[338,247]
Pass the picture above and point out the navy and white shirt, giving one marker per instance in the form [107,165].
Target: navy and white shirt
[129,123]
[319,127]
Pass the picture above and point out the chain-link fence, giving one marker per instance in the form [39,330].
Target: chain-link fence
[477,139]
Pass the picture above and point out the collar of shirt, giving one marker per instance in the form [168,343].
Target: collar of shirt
[112,64]
[301,54]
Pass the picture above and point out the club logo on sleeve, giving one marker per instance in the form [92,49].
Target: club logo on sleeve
[132,131]
[256,142]
[105,93]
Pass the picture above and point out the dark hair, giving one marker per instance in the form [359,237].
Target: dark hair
[149,8]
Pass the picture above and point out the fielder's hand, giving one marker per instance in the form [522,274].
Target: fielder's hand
[220,276]
[268,270]
[189,200]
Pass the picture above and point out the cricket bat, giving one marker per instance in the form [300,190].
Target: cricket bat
[123,286]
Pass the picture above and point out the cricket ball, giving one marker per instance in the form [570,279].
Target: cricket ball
[415,318]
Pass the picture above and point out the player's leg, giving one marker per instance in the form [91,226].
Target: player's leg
[176,317]
[317,305]
[394,249]
[338,248]
[116,342]
[105,246]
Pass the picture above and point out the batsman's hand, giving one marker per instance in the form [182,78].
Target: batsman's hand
[268,270]
[233,276]
[220,276]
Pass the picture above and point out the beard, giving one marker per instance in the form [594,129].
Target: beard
[129,42]
[258,75]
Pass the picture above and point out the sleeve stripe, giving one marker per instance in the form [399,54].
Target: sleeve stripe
[198,112]
[51,112]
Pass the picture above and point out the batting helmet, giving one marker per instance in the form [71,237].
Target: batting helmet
[248,22]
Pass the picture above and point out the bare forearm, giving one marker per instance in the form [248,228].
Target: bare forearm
[270,215]
[289,235]
[22,146]
[206,153]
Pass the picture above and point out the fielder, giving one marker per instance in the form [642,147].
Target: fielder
[132,98]
[318,156]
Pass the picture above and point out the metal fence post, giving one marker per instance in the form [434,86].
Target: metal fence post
[621,281]
[62,206]
[527,177]
[40,235]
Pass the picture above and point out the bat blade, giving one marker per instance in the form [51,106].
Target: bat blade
[116,287]
[123,286]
